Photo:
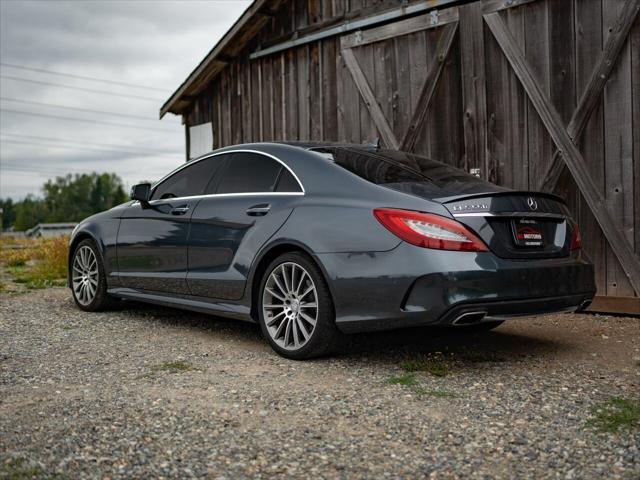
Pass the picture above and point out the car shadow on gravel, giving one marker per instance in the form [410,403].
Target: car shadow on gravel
[385,346]
[186,318]
[496,344]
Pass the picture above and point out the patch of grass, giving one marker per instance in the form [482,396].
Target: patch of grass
[15,270]
[14,252]
[36,280]
[615,414]
[21,469]
[172,367]
[407,380]
[482,357]
[435,366]
[9,292]
[17,256]
[37,263]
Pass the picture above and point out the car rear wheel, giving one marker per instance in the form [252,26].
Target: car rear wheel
[88,280]
[295,309]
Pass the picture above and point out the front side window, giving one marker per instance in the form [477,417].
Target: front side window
[190,181]
[249,172]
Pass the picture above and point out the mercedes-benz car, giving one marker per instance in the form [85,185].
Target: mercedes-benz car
[314,241]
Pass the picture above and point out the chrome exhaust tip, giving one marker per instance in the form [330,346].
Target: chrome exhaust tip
[469,318]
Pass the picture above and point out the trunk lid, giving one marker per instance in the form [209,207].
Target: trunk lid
[515,224]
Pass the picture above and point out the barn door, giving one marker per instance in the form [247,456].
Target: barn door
[400,83]
[522,91]
[550,87]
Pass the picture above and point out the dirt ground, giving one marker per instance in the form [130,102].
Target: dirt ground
[154,392]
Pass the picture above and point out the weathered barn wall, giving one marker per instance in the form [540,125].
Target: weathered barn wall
[477,114]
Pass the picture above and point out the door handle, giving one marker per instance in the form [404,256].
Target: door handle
[180,210]
[259,210]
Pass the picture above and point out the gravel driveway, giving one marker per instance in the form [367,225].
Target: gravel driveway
[156,392]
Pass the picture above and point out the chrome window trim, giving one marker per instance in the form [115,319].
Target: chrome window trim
[221,195]
[210,155]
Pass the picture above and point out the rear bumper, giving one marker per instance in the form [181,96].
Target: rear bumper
[464,314]
[411,286]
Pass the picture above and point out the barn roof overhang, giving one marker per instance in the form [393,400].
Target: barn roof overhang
[244,29]
[251,22]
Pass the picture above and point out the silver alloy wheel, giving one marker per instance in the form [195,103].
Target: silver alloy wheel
[85,275]
[290,305]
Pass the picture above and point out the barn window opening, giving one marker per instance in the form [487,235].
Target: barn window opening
[200,139]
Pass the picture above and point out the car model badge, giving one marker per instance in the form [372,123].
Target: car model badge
[533,205]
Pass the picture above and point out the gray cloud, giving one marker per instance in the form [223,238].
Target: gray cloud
[154,43]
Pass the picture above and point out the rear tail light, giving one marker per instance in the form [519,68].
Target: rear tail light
[428,230]
[576,241]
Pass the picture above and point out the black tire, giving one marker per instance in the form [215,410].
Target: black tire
[325,337]
[101,300]
[483,326]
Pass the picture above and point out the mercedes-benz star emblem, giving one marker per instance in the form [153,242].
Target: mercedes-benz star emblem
[533,205]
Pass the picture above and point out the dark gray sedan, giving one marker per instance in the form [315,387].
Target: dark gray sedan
[315,241]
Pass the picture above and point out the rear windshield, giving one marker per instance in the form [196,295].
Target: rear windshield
[407,172]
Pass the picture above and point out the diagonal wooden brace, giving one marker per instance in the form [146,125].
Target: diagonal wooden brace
[429,87]
[593,90]
[388,137]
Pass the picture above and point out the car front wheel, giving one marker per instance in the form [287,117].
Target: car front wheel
[88,280]
[295,309]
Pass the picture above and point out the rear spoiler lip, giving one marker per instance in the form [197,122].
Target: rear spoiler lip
[500,193]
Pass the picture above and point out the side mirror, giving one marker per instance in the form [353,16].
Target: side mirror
[141,192]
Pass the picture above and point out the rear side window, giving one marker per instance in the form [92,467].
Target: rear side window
[287,182]
[190,181]
[249,172]
[375,168]
[407,172]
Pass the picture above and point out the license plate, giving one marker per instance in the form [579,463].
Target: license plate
[527,232]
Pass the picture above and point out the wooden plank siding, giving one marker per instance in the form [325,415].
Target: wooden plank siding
[588,24]
[507,109]
[537,54]
[635,95]
[618,149]
[329,88]
[464,104]
[562,90]
[473,87]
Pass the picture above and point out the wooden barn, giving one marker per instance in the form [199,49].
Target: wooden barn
[532,94]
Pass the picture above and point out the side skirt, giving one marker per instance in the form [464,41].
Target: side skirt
[222,309]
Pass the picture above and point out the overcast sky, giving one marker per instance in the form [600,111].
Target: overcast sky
[148,43]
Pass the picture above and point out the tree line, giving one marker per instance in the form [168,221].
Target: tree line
[65,199]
